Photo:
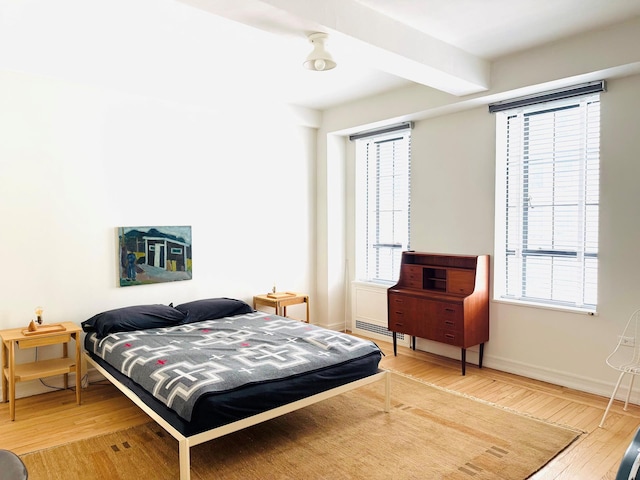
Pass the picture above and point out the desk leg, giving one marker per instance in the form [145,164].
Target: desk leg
[65,354]
[306,300]
[12,381]
[464,360]
[5,364]
[78,370]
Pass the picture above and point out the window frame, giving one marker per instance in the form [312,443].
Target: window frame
[502,242]
[365,271]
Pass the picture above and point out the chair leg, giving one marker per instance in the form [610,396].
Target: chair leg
[626,402]
[615,390]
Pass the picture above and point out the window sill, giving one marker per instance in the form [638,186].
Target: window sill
[377,285]
[560,308]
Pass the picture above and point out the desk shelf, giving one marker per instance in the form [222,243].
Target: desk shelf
[42,368]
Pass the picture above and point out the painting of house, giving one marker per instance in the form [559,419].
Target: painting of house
[154,254]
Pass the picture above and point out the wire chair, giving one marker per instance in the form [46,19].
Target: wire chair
[625,358]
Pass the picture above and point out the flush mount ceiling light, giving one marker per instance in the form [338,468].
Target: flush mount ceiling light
[319,59]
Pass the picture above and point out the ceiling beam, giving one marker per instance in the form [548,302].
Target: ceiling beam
[356,34]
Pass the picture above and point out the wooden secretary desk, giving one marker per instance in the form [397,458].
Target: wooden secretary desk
[443,298]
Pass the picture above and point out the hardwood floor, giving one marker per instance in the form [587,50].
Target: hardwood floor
[595,455]
[52,419]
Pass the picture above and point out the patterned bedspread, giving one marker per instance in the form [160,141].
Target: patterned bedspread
[179,364]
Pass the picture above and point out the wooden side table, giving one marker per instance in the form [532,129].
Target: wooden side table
[13,373]
[280,303]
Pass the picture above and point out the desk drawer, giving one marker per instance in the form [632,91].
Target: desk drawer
[402,302]
[405,314]
[398,320]
[447,320]
[36,341]
[412,276]
[452,338]
[448,310]
[461,282]
[400,309]
[449,325]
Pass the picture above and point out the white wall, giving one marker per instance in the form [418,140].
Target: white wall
[453,211]
[76,162]
[453,191]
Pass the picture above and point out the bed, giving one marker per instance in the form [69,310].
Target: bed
[208,368]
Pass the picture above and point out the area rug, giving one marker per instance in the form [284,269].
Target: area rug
[430,433]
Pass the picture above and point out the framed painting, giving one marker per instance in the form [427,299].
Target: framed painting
[154,254]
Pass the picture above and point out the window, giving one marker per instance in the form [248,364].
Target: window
[382,203]
[547,203]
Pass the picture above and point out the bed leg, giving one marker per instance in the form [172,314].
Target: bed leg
[387,392]
[185,461]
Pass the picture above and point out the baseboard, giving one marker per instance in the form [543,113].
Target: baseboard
[549,375]
[555,377]
[336,326]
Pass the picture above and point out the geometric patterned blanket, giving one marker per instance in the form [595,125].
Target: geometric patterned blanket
[179,364]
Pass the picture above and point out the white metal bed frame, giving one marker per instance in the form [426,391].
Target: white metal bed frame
[185,443]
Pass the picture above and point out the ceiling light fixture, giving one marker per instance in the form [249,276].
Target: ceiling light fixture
[319,59]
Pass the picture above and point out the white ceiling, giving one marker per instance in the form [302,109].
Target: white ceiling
[210,51]
[493,28]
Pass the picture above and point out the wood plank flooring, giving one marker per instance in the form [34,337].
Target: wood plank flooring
[51,419]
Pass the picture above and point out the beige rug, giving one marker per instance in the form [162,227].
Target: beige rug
[429,434]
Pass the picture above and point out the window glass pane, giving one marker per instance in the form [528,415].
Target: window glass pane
[564,281]
[514,281]
[537,273]
[591,281]
[566,228]
[591,229]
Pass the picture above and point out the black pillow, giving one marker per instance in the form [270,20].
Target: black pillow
[138,317]
[212,308]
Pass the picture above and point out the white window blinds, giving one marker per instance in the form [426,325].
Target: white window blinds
[548,203]
[383,168]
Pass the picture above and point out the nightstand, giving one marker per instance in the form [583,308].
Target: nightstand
[280,301]
[21,338]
